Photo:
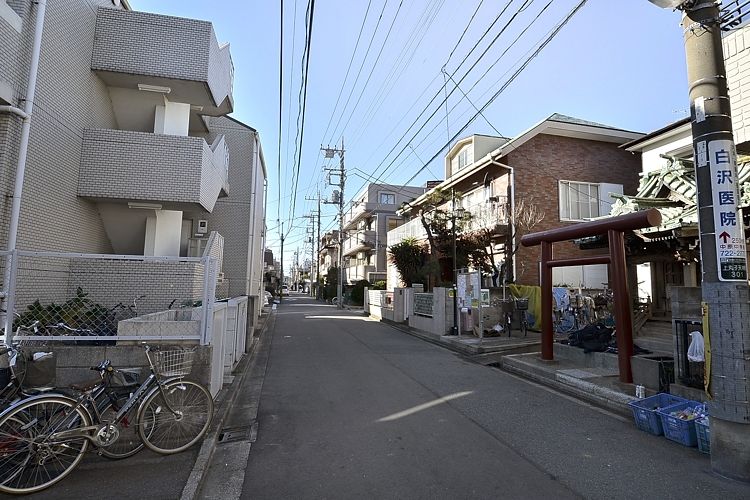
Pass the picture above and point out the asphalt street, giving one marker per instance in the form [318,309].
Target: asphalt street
[352,408]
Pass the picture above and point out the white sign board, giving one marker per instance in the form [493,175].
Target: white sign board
[730,238]
[469,289]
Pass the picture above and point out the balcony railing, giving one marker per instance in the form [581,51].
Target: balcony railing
[176,172]
[358,272]
[134,48]
[410,229]
[359,241]
[488,215]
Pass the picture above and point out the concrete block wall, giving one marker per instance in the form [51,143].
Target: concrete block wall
[73,362]
[541,163]
[69,98]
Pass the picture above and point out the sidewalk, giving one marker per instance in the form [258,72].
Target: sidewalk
[147,474]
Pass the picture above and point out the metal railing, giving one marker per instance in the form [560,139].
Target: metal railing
[98,298]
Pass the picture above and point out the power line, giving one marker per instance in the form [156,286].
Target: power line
[303,92]
[510,80]
[359,72]
[374,65]
[291,79]
[281,94]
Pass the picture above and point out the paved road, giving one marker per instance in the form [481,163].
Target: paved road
[352,408]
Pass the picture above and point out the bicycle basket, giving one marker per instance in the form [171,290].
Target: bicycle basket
[40,372]
[522,304]
[174,363]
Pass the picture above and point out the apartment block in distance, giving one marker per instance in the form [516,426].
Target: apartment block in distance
[366,225]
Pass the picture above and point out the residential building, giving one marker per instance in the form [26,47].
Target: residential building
[131,150]
[566,168]
[329,253]
[366,224]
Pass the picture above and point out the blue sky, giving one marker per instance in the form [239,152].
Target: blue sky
[621,67]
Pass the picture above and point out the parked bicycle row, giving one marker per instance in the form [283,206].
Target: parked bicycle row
[82,317]
[45,432]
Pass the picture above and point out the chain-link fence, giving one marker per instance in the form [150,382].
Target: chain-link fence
[105,298]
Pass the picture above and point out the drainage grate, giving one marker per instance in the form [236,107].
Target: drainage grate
[231,434]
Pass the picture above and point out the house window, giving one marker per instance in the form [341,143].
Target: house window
[463,158]
[578,200]
[387,199]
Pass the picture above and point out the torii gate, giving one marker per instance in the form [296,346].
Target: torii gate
[614,228]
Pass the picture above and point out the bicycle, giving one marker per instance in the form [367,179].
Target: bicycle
[43,438]
[522,305]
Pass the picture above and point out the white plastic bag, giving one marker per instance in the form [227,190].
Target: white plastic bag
[695,351]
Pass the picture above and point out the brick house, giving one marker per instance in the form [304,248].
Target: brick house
[131,151]
[564,166]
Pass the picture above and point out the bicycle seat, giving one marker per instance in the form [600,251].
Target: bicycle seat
[86,386]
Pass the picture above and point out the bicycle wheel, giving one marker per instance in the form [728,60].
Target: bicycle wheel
[129,440]
[174,418]
[29,460]
[524,324]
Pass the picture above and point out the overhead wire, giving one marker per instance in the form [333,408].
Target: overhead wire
[359,72]
[304,102]
[281,98]
[528,60]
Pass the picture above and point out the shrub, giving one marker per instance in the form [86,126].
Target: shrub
[358,292]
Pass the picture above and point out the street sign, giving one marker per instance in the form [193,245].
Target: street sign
[730,233]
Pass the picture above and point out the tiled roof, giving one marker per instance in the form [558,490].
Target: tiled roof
[672,190]
[557,117]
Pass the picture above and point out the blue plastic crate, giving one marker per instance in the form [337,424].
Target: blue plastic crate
[644,411]
[676,429]
[703,433]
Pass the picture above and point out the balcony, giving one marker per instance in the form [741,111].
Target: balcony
[358,273]
[361,210]
[132,48]
[410,229]
[359,241]
[176,172]
[492,216]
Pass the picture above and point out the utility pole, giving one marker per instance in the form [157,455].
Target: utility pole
[726,300]
[281,259]
[316,247]
[341,173]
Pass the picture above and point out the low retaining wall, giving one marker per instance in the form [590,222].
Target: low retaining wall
[73,362]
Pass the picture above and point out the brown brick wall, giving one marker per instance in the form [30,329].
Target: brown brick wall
[546,159]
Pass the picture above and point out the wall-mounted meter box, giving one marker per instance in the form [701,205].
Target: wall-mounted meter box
[202,226]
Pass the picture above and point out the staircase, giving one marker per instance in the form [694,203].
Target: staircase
[656,335]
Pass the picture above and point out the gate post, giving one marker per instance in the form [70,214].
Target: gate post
[623,322]
[546,280]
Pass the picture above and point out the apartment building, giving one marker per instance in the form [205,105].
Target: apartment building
[130,150]
[566,168]
[329,253]
[366,224]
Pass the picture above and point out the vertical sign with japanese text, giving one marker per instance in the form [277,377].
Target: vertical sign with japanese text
[730,233]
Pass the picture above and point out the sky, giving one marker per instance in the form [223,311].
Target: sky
[624,68]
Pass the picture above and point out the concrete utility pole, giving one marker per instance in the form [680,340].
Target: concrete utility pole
[722,238]
[341,173]
[281,259]
[316,246]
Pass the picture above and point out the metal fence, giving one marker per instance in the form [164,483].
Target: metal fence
[95,298]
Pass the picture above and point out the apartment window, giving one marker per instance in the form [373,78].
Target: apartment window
[578,200]
[463,158]
[387,199]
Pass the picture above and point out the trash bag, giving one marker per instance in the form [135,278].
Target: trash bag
[695,352]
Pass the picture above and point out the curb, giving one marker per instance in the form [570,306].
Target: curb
[227,399]
[580,389]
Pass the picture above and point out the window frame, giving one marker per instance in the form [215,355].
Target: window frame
[386,193]
[593,201]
